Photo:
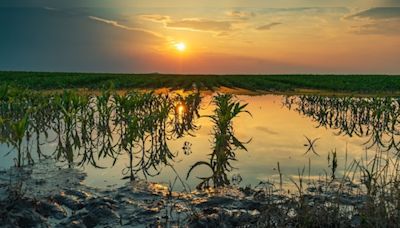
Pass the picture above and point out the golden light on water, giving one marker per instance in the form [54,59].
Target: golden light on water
[181,109]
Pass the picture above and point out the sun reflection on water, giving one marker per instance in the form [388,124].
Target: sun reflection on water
[180,110]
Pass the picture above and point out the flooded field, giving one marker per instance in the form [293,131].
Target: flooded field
[296,131]
[277,132]
[284,145]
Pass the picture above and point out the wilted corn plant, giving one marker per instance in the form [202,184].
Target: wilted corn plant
[185,112]
[131,126]
[25,114]
[170,121]
[225,141]
[68,105]
[90,127]
[41,118]
[105,110]
[145,124]
[18,130]
[14,120]
[376,118]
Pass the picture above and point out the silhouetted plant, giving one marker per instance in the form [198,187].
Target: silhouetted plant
[225,141]
[146,122]
[18,130]
[87,128]
[332,163]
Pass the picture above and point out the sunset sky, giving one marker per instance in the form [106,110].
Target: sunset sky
[202,36]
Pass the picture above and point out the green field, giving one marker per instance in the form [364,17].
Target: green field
[362,84]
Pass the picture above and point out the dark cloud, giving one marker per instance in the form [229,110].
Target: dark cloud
[389,28]
[268,26]
[54,40]
[383,21]
[378,13]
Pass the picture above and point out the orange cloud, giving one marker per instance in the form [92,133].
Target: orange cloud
[118,25]
[201,25]
[155,17]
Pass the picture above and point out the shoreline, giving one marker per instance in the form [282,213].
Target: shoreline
[62,200]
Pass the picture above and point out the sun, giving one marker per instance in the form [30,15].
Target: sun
[180,46]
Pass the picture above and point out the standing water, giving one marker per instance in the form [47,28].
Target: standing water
[301,133]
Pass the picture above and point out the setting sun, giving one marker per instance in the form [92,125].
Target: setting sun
[180,46]
[136,103]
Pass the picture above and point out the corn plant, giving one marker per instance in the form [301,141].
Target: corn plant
[146,121]
[18,130]
[225,141]
[87,128]
[376,118]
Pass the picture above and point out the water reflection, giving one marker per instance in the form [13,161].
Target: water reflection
[89,128]
[225,142]
[142,133]
[376,118]
[311,145]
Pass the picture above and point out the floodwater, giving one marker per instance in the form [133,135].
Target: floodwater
[277,130]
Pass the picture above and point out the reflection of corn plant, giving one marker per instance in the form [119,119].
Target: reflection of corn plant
[145,123]
[41,113]
[128,120]
[85,126]
[15,111]
[68,104]
[332,163]
[18,130]
[225,142]
[377,118]
[185,112]
[104,129]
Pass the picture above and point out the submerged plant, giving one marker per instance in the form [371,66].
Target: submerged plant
[225,141]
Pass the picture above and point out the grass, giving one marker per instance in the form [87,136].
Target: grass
[361,84]
[338,201]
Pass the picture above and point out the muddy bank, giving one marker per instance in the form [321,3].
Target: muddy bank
[46,195]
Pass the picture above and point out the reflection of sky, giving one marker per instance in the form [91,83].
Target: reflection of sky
[241,36]
[276,133]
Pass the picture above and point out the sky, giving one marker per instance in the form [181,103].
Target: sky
[219,37]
